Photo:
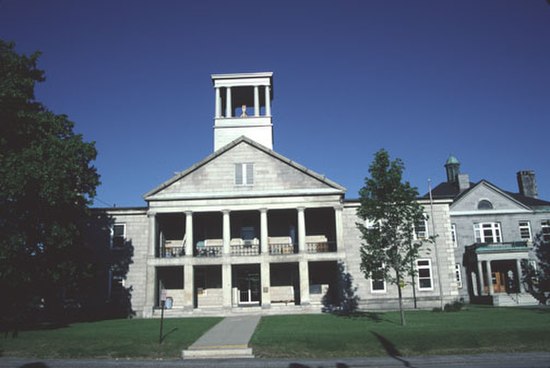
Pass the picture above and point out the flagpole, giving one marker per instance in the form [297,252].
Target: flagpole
[435,244]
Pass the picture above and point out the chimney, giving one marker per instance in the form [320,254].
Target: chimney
[527,184]
[463,182]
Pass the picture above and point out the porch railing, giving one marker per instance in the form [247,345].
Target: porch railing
[172,249]
[496,247]
[321,247]
[212,251]
[281,248]
[245,250]
[209,248]
[172,252]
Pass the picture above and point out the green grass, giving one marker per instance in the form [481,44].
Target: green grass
[109,339]
[475,330]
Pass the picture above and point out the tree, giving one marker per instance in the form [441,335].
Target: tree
[46,183]
[389,211]
[537,279]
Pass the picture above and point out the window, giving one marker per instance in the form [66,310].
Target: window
[545,229]
[378,284]
[488,232]
[244,174]
[458,275]
[525,230]
[118,235]
[421,229]
[484,205]
[453,235]
[424,268]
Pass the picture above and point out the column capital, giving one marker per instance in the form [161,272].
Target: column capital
[263,210]
[188,212]
[225,212]
[151,214]
[301,209]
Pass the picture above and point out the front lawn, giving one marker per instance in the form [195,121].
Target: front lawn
[109,339]
[474,330]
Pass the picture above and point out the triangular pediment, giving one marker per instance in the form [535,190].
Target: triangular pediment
[215,176]
[500,201]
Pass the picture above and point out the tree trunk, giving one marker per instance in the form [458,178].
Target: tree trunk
[401,311]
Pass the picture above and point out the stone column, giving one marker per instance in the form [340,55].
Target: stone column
[301,230]
[256,101]
[189,242]
[480,278]
[267,101]
[264,231]
[188,287]
[475,285]
[150,283]
[266,282]
[490,278]
[304,283]
[228,103]
[520,276]
[226,232]
[218,102]
[226,285]
[339,228]
[152,234]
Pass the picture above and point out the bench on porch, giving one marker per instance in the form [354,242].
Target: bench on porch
[282,294]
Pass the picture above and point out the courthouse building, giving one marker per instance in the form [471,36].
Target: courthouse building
[247,230]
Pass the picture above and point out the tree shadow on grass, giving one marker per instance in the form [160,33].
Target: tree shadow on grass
[391,349]
[375,317]
[167,334]
[34,365]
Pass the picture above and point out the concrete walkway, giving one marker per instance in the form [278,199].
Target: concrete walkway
[227,339]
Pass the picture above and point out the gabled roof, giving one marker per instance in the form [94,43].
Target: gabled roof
[228,147]
[445,190]
[451,191]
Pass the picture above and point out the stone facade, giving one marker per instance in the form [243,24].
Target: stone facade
[441,262]
[493,234]
[246,230]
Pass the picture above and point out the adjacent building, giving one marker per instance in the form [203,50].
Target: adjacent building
[493,232]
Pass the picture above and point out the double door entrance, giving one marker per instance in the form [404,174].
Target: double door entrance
[499,282]
[504,277]
[246,281]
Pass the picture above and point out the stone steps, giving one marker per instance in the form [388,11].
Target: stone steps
[514,300]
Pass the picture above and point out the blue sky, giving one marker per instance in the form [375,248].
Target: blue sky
[423,79]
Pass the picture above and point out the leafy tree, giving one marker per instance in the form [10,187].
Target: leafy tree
[46,183]
[390,211]
[537,279]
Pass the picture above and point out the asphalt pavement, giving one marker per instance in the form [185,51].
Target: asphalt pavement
[510,360]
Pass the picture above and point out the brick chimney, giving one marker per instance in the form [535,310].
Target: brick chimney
[527,184]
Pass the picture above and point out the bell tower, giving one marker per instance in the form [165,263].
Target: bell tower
[243,107]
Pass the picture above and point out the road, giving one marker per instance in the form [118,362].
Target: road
[523,360]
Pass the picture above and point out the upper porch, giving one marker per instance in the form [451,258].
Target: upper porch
[245,232]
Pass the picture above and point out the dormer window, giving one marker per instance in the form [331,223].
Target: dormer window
[484,205]
[244,174]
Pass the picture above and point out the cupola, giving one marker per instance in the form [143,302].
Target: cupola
[243,107]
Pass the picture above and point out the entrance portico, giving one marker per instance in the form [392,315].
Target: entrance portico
[495,268]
